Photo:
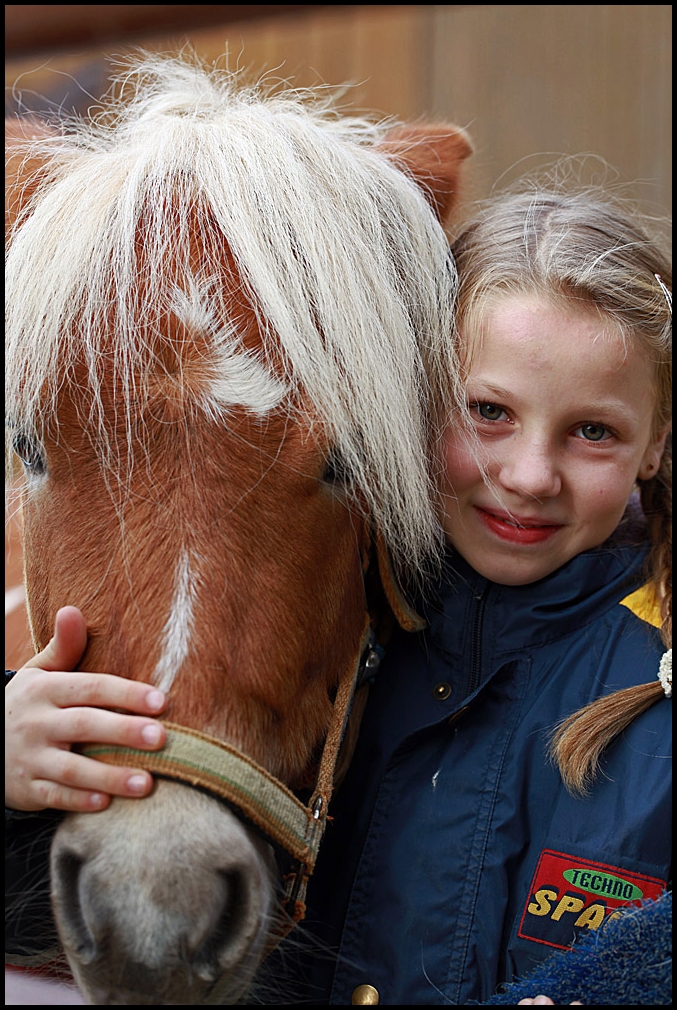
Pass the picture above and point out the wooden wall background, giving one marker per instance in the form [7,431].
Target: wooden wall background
[525,79]
[529,82]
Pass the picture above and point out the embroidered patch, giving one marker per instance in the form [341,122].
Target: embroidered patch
[569,896]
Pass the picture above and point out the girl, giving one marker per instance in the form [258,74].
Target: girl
[468,843]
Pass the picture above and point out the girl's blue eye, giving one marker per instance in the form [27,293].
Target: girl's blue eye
[489,411]
[593,432]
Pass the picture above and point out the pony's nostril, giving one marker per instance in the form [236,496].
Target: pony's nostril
[80,937]
[223,945]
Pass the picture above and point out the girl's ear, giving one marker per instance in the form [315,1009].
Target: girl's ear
[433,154]
[651,460]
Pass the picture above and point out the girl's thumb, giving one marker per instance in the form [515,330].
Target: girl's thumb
[65,648]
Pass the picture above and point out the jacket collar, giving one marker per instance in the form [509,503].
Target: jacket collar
[517,617]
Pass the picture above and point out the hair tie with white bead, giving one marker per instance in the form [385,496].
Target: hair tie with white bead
[666,291]
[665,673]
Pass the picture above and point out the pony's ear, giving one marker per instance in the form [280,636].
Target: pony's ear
[433,154]
[21,169]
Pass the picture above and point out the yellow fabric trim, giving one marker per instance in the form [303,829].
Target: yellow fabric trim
[643,604]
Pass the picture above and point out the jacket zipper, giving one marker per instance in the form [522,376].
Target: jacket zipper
[476,654]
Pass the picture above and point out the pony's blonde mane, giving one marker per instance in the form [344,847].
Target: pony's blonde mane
[341,255]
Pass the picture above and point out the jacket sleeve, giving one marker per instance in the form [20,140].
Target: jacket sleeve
[627,963]
[30,933]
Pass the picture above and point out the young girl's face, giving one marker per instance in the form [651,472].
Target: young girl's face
[563,414]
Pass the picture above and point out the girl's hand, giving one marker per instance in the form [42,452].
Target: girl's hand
[543,1001]
[47,710]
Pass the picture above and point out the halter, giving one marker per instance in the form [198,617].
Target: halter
[204,762]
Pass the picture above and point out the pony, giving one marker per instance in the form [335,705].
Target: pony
[229,331]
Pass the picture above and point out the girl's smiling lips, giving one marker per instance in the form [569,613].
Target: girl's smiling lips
[516,529]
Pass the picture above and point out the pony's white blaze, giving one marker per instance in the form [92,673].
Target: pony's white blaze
[179,626]
[243,381]
[233,375]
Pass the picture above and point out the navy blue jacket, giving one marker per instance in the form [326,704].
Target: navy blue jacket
[456,860]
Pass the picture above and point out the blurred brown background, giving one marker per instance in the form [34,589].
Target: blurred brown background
[529,82]
[524,78]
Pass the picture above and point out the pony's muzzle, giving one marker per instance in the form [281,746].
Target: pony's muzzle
[184,920]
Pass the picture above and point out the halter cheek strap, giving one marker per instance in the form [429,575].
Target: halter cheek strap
[406,616]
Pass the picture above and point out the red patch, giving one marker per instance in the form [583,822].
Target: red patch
[569,896]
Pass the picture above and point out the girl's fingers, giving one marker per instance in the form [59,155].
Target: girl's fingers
[95,725]
[544,1001]
[65,648]
[60,797]
[49,710]
[76,782]
[63,689]
[53,795]
[87,786]
[104,690]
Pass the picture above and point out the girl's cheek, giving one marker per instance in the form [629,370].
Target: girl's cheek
[459,458]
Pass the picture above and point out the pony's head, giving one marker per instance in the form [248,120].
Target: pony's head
[229,327]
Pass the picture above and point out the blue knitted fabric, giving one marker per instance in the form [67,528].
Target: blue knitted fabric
[627,962]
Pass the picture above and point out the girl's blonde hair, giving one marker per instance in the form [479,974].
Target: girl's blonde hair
[585,246]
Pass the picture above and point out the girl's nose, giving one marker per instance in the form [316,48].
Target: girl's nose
[530,469]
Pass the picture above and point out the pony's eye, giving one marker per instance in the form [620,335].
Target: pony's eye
[334,470]
[30,453]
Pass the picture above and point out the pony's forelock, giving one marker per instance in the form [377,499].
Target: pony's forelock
[351,276]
